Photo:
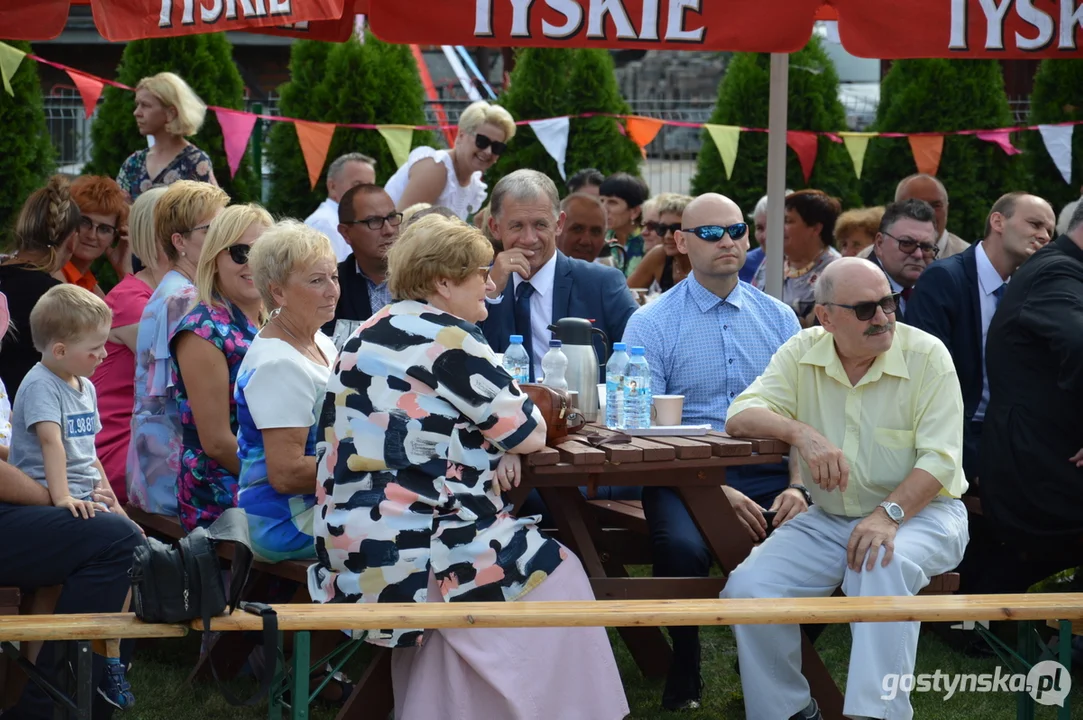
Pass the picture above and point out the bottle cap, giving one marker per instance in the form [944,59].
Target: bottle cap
[554,343]
[620,347]
[639,350]
[516,339]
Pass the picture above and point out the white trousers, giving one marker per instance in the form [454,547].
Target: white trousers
[806,557]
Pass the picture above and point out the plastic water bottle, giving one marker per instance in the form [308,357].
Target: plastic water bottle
[517,360]
[637,391]
[554,366]
[614,386]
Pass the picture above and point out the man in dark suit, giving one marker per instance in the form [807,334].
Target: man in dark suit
[538,285]
[905,246]
[368,220]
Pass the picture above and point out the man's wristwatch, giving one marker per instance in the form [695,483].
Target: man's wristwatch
[894,511]
[804,491]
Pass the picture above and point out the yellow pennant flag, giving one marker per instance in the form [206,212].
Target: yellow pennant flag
[856,145]
[398,138]
[726,138]
[10,59]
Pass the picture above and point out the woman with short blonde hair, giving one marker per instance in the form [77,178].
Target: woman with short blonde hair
[856,229]
[452,178]
[207,348]
[115,377]
[182,220]
[664,266]
[421,434]
[168,110]
[281,387]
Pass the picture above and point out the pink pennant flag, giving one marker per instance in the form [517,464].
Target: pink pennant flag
[236,129]
[90,89]
[1001,138]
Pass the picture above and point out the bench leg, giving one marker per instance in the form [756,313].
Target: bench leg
[1065,649]
[299,698]
[1028,651]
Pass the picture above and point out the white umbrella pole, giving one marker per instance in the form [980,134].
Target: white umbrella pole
[776,170]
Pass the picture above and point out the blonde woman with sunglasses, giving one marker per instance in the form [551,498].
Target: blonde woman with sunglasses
[452,178]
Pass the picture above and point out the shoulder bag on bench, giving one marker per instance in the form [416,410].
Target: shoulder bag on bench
[177,584]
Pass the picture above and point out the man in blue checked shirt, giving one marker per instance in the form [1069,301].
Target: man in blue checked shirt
[708,338]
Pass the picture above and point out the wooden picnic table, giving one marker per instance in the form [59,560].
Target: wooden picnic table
[695,467]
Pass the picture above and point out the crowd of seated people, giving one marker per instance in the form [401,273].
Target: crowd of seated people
[338,381]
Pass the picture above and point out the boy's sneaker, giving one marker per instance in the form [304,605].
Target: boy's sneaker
[115,687]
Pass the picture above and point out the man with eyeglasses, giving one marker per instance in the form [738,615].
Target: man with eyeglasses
[368,220]
[905,246]
[874,410]
[929,189]
[708,338]
[347,171]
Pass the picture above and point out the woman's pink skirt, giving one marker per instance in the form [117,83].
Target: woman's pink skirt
[512,673]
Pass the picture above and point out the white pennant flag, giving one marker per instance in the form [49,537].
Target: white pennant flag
[553,134]
[1058,142]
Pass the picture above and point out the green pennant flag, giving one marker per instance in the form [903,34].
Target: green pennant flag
[726,138]
[10,59]
[398,139]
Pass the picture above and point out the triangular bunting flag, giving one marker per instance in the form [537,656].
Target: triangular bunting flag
[856,145]
[90,89]
[725,138]
[927,150]
[10,59]
[1058,143]
[553,135]
[804,144]
[236,129]
[398,139]
[315,139]
[643,130]
[1001,138]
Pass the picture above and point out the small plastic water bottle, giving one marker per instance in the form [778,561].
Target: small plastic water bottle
[614,386]
[517,360]
[554,366]
[637,391]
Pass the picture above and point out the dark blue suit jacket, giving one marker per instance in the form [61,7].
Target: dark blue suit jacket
[946,303]
[580,289]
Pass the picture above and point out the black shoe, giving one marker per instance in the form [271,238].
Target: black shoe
[684,689]
[800,714]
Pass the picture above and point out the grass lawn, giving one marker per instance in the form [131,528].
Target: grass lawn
[160,669]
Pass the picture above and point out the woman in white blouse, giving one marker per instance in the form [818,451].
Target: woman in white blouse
[452,178]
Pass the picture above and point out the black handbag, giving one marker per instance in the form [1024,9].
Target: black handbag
[181,583]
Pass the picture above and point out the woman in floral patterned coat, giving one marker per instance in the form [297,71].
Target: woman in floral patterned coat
[421,433]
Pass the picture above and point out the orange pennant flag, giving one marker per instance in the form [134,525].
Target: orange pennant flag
[927,150]
[315,139]
[805,145]
[643,130]
[90,89]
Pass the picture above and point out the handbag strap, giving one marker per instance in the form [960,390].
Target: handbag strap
[270,655]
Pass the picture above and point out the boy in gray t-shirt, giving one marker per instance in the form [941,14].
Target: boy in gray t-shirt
[55,419]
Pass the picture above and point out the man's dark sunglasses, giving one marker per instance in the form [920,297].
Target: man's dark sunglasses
[239,253]
[375,223]
[484,141]
[909,245]
[714,233]
[867,310]
[661,228]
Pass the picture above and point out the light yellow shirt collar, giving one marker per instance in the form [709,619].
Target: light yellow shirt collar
[824,354]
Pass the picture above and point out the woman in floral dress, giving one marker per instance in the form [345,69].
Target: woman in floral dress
[207,348]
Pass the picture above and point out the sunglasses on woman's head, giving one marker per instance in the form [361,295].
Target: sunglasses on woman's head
[239,253]
[484,141]
[867,310]
[661,229]
[714,233]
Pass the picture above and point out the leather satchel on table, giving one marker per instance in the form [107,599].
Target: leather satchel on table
[560,418]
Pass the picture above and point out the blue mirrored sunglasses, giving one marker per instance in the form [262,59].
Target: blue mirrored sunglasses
[714,233]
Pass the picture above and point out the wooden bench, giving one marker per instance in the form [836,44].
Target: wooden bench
[304,619]
[75,695]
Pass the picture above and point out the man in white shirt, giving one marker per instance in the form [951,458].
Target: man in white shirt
[347,171]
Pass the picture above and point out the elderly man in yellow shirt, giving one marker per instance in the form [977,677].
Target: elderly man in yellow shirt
[875,411]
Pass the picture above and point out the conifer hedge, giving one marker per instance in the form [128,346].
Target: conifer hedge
[1057,97]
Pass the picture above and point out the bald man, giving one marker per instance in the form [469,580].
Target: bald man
[929,189]
[874,410]
[708,338]
[583,234]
